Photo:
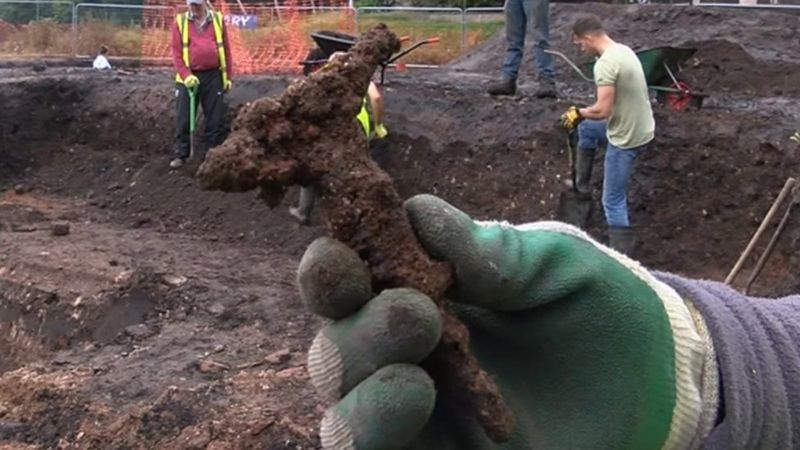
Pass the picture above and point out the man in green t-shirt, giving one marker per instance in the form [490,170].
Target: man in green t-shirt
[621,119]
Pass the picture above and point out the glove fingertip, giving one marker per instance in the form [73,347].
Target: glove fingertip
[333,280]
[438,224]
[388,410]
[399,326]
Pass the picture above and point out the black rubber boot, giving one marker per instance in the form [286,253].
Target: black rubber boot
[304,206]
[584,160]
[505,86]
[622,239]
[547,89]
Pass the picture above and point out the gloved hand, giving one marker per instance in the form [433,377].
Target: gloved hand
[381,131]
[191,82]
[796,137]
[228,85]
[571,118]
[588,348]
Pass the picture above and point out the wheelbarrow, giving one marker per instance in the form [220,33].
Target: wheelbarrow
[661,66]
[330,42]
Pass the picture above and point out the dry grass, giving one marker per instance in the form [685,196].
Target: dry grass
[121,40]
[48,38]
[423,25]
[45,37]
[274,35]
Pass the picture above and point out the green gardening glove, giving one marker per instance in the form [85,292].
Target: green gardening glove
[588,348]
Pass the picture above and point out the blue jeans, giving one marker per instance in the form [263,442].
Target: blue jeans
[519,13]
[617,167]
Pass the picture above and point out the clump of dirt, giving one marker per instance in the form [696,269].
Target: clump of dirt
[307,136]
[38,408]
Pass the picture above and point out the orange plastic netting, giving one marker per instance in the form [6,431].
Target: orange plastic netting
[263,37]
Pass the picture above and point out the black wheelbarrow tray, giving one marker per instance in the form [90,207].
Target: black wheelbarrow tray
[330,42]
[661,67]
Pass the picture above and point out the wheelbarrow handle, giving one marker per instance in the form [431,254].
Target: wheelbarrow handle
[406,51]
[411,49]
[384,65]
[669,89]
[572,64]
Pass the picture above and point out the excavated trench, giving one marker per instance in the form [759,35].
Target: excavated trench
[35,323]
[93,150]
[708,179]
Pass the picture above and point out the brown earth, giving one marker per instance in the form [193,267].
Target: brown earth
[168,316]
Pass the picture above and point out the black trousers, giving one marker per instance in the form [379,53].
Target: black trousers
[211,97]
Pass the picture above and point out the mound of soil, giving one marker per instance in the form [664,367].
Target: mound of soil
[737,50]
[725,66]
[168,316]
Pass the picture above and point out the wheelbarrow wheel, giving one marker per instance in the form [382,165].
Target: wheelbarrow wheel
[679,101]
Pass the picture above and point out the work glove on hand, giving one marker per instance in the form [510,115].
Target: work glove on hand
[191,82]
[796,137]
[228,85]
[588,349]
[571,118]
[381,131]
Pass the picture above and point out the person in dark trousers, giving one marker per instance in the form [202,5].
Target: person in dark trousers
[621,119]
[201,55]
[520,14]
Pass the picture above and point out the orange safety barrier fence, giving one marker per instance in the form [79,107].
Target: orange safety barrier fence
[263,37]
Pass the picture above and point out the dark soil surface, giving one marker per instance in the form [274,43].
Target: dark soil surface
[168,316]
[743,51]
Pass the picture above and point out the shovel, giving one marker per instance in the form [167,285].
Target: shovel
[572,208]
[192,118]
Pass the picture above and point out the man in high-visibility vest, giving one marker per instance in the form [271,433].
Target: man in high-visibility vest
[201,55]
[369,118]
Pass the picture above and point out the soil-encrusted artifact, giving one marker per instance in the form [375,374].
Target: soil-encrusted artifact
[308,136]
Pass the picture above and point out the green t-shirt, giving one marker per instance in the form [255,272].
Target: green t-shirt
[631,123]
